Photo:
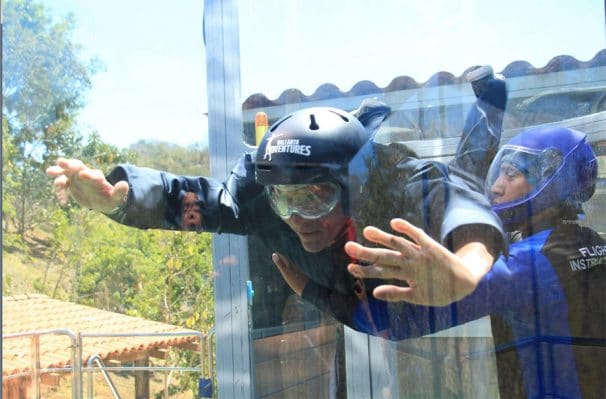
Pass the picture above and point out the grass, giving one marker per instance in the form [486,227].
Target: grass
[123,382]
[28,269]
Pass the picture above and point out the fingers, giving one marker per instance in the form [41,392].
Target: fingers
[63,171]
[393,293]
[374,255]
[67,167]
[376,271]
[54,171]
[120,192]
[388,240]
[290,272]
[279,260]
[60,184]
[71,167]
[415,233]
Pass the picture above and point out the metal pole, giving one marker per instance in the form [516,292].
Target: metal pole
[89,372]
[78,368]
[202,345]
[74,349]
[35,353]
[97,359]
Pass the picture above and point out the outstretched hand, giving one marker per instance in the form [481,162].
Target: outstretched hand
[87,186]
[435,276]
[291,273]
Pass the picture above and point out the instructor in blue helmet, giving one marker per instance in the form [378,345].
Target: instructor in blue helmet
[546,299]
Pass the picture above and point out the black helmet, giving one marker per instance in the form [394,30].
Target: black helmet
[312,145]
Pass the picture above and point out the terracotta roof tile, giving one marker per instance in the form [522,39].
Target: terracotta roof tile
[365,87]
[35,312]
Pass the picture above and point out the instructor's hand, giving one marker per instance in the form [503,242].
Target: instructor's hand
[87,186]
[435,276]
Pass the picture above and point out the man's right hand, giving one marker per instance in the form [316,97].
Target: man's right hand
[87,186]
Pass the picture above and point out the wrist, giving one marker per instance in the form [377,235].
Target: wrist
[119,207]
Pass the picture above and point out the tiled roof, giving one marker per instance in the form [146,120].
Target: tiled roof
[365,87]
[34,312]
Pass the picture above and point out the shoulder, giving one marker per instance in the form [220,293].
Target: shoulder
[575,247]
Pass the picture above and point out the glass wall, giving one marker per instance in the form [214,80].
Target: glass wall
[424,99]
[420,61]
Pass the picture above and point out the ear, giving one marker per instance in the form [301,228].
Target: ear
[371,113]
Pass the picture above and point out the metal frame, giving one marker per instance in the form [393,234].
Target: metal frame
[36,370]
[235,375]
[77,370]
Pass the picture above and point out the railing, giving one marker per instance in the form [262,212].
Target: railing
[77,350]
[105,369]
[36,370]
[97,359]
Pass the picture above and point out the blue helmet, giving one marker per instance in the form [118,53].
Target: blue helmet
[558,164]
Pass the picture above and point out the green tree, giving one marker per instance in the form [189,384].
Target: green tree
[43,85]
[189,161]
[98,154]
[8,171]
[9,239]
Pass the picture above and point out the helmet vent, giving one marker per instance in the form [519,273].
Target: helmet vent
[313,125]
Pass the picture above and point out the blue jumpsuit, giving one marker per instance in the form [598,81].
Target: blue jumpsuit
[546,302]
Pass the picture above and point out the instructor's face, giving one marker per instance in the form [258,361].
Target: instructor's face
[317,234]
[510,185]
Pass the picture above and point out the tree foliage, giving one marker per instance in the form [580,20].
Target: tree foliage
[44,81]
[159,275]
[189,161]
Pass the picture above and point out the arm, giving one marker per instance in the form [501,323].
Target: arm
[338,305]
[434,275]
[436,272]
[401,320]
[146,198]
[482,129]
[390,320]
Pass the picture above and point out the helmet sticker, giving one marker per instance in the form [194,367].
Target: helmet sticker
[290,146]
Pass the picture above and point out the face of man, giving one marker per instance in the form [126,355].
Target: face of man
[191,216]
[509,186]
[318,234]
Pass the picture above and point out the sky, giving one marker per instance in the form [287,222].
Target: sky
[154,82]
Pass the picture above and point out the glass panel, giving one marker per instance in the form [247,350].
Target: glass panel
[109,83]
[416,59]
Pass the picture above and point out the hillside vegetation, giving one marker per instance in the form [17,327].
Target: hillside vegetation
[71,253]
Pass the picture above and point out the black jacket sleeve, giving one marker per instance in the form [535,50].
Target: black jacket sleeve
[155,198]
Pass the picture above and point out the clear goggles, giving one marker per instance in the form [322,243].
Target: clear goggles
[310,201]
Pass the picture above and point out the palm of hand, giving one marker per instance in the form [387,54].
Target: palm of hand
[88,187]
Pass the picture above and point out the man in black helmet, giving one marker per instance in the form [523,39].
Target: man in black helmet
[296,191]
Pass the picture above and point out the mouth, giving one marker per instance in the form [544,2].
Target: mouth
[309,234]
[494,200]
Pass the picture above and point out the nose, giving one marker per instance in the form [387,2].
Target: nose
[297,219]
[498,188]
